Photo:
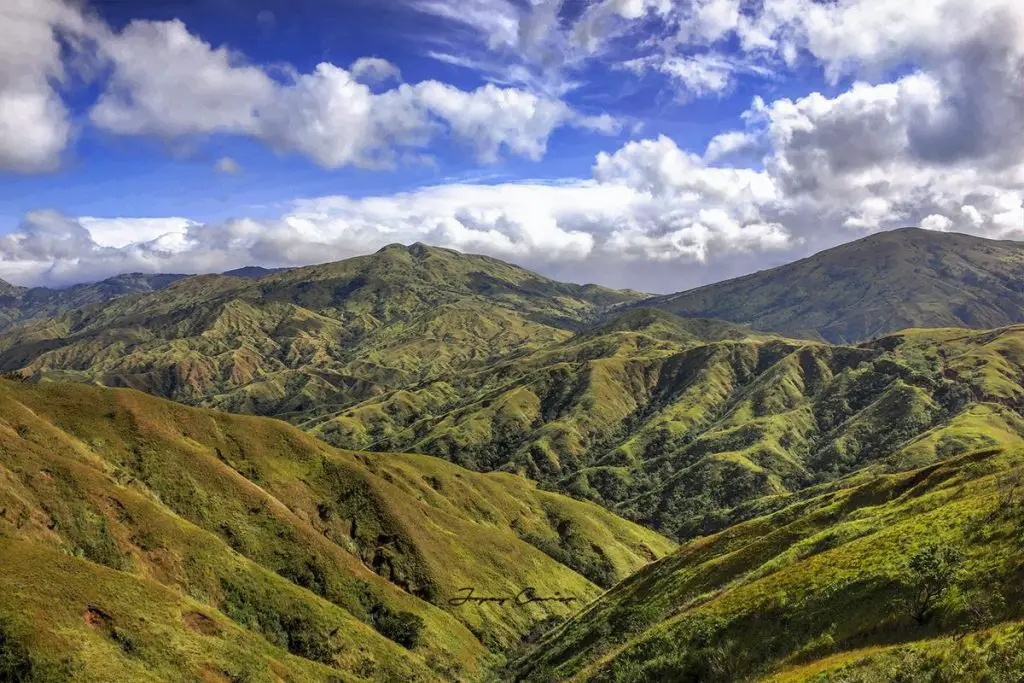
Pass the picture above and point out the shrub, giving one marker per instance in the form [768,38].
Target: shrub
[932,571]
[404,628]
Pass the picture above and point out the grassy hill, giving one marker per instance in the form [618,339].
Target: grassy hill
[680,433]
[849,511]
[677,423]
[142,539]
[328,334]
[874,286]
[911,576]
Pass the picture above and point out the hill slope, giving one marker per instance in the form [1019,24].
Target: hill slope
[914,576]
[332,333]
[295,557]
[877,285]
[681,433]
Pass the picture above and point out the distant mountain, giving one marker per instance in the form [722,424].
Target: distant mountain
[252,272]
[877,285]
[305,337]
[7,289]
[20,304]
[144,540]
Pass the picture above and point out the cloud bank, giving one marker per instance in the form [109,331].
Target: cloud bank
[928,129]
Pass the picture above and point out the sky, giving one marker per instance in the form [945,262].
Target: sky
[652,144]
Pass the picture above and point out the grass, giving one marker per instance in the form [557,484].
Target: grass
[342,559]
[820,586]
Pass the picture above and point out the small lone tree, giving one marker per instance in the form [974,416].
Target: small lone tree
[932,571]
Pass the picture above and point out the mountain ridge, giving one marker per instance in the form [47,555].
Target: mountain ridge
[879,284]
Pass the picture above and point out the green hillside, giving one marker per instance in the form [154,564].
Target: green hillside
[681,433]
[142,538]
[322,335]
[899,577]
[874,286]
[680,424]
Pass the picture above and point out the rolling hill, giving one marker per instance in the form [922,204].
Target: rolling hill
[822,486]
[874,286]
[328,334]
[142,539]
[681,434]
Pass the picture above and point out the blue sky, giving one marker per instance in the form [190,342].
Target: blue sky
[645,143]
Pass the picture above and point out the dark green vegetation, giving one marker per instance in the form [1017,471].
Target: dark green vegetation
[878,285]
[141,540]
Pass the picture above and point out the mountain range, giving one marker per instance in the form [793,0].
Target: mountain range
[757,479]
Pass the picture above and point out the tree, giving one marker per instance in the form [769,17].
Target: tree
[932,571]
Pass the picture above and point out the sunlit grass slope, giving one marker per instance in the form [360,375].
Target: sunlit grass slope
[301,557]
[828,588]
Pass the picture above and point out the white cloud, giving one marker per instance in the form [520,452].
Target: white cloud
[649,205]
[118,233]
[490,118]
[941,146]
[227,166]
[35,125]
[731,143]
[169,83]
[605,18]
[336,121]
[374,70]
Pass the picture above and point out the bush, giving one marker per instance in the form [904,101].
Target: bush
[15,663]
[932,571]
[404,628]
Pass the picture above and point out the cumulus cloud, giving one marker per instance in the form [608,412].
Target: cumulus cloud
[35,125]
[156,78]
[648,204]
[169,83]
[930,133]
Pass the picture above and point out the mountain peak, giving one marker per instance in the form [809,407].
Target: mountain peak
[417,249]
[252,272]
[882,283]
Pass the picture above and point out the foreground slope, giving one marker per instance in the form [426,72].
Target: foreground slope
[297,560]
[876,285]
[327,334]
[912,576]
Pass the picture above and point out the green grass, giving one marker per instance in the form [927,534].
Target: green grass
[339,558]
[820,588]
